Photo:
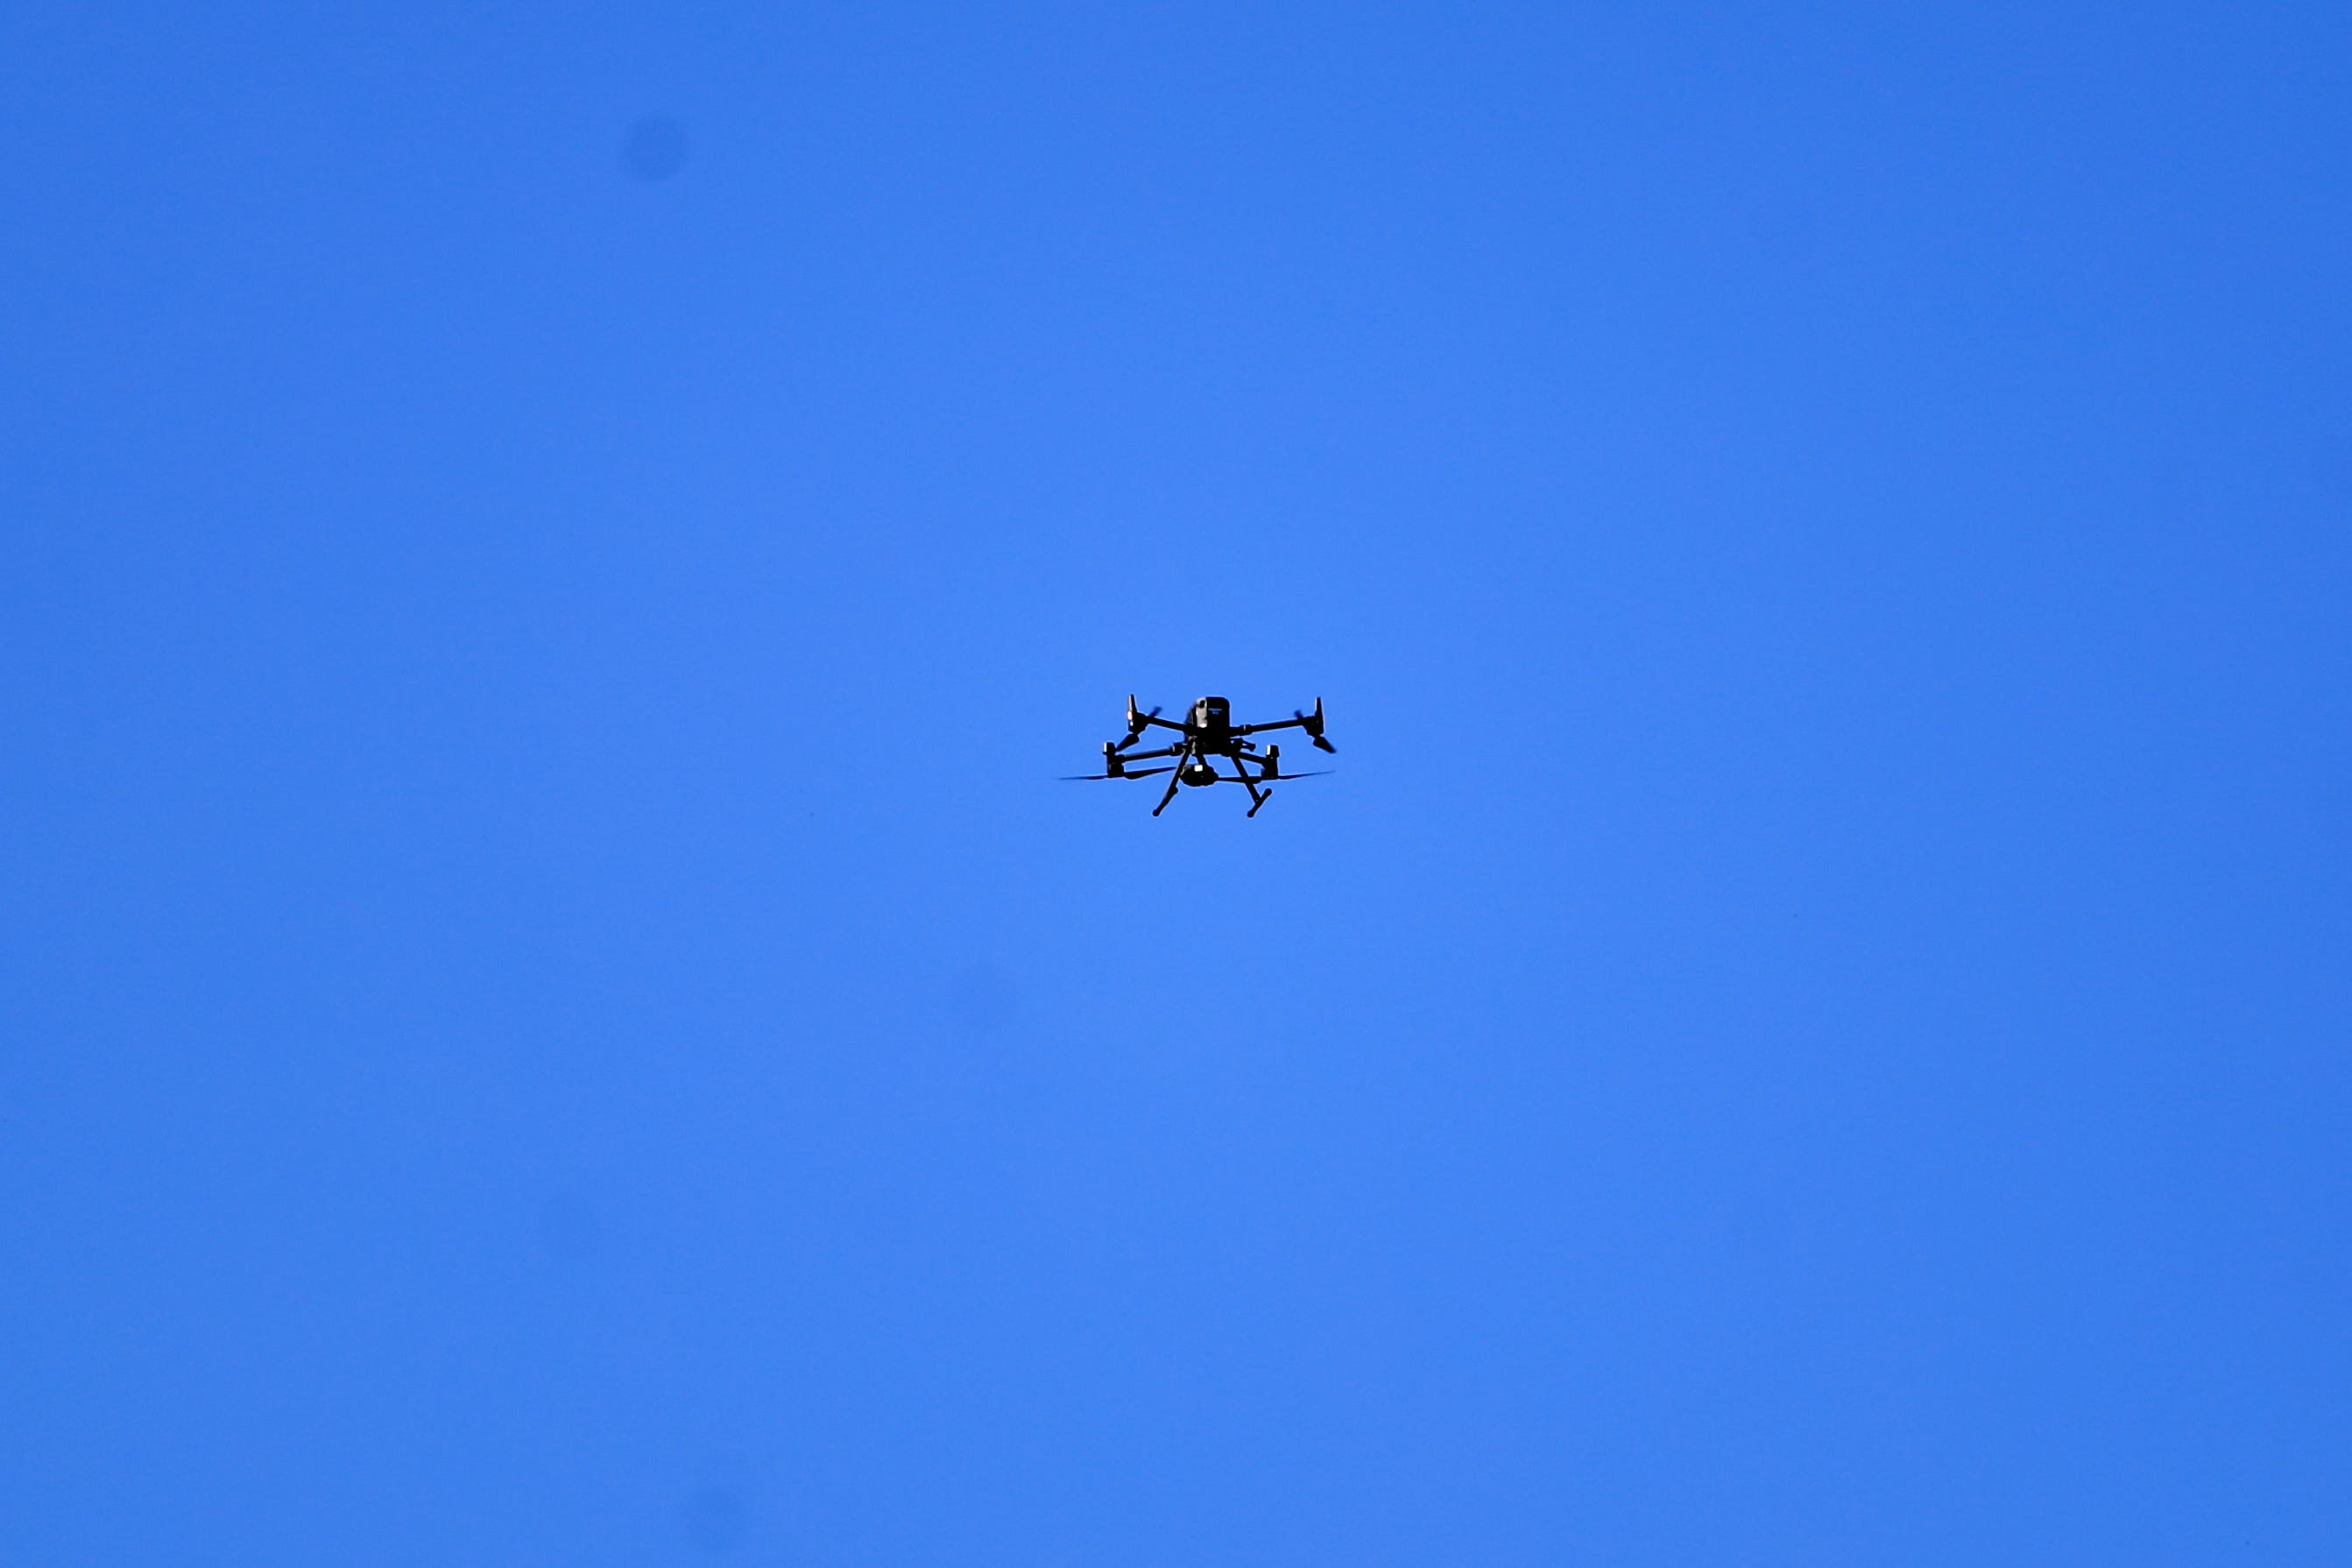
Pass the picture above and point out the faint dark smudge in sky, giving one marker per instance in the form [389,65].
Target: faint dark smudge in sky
[655,148]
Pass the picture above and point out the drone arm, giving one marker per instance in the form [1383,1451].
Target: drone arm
[1310,723]
[1139,725]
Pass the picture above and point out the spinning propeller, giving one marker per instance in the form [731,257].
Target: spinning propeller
[1135,725]
[1312,725]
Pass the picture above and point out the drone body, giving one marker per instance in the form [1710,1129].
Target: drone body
[1209,731]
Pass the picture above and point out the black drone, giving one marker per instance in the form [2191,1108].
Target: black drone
[1209,730]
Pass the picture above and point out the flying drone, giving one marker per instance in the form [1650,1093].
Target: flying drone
[1209,730]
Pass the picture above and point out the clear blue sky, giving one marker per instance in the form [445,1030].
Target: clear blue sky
[553,1012]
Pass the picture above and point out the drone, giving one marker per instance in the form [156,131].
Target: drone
[1209,730]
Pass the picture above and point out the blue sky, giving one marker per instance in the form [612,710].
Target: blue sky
[552,1010]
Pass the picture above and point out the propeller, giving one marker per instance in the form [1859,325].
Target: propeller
[1129,773]
[1135,723]
[1312,725]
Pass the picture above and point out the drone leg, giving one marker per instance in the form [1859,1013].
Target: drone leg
[1257,800]
[1174,779]
[1249,784]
